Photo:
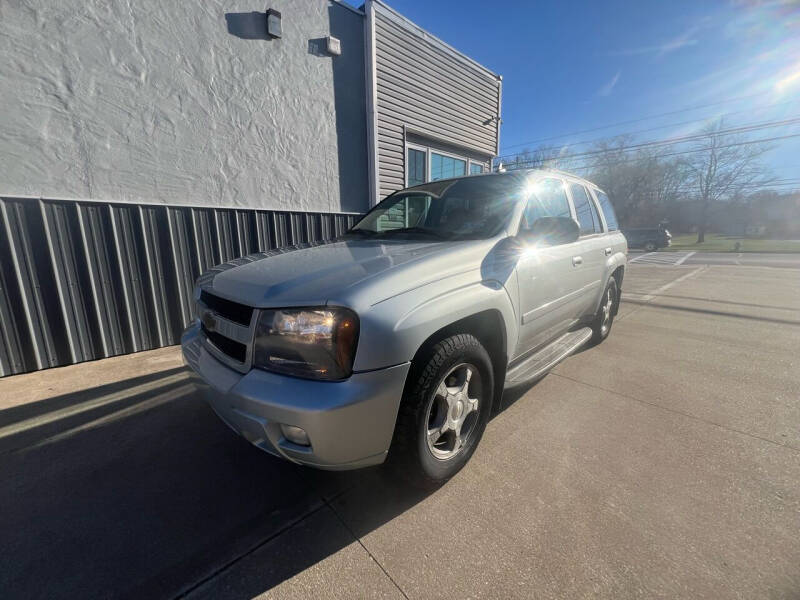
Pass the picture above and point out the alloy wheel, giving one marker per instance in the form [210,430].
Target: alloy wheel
[608,307]
[453,411]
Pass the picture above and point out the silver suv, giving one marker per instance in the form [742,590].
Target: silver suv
[397,340]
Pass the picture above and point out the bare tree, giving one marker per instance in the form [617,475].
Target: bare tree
[640,182]
[666,177]
[543,156]
[721,166]
[647,182]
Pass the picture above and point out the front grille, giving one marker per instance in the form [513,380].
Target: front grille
[226,345]
[228,309]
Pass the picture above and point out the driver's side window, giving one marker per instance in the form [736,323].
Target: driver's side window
[547,199]
[410,211]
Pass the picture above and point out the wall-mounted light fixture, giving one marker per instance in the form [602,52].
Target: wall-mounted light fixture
[333,45]
[273,23]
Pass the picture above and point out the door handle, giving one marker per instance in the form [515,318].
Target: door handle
[608,251]
[577,260]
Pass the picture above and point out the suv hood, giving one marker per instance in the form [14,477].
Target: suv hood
[313,275]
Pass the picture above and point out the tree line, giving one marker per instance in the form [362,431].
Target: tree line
[647,180]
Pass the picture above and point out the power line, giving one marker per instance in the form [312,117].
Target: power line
[639,120]
[587,165]
[753,185]
[680,139]
[745,143]
[679,124]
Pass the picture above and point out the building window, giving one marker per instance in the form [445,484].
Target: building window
[424,164]
[444,167]
[417,163]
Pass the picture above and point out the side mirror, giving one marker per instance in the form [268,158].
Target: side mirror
[553,231]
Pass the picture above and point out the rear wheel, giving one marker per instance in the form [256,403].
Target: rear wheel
[444,411]
[651,246]
[601,325]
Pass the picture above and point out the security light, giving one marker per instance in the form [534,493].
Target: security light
[273,23]
[333,45]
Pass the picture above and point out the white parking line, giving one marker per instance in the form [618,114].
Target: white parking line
[640,257]
[665,287]
[662,258]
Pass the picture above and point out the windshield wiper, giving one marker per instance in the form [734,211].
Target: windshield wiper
[359,232]
[417,231]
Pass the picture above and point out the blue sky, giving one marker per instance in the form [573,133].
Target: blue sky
[573,66]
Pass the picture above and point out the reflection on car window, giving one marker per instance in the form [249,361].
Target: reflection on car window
[469,208]
[547,199]
[585,210]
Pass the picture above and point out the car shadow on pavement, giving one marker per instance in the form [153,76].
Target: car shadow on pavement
[716,313]
[730,302]
[145,493]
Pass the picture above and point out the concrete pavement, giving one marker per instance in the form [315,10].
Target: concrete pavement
[664,462]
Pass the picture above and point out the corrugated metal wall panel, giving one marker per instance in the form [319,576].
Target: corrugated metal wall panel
[225,245]
[201,227]
[87,280]
[16,217]
[60,233]
[95,237]
[11,358]
[185,272]
[424,87]
[154,252]
[129,250]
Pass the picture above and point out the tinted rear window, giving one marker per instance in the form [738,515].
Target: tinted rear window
[585,210]
[608,211]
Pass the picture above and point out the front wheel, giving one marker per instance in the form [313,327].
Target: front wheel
[651,246]
[601,325]
[444,411]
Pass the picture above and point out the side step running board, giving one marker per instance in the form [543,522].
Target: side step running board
[547,358]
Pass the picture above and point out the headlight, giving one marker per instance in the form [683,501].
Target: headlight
[317,343]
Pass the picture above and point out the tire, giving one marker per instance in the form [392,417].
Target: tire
[604,319]
[425,449]
[651,246]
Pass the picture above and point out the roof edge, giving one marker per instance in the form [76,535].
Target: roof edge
[344,4]
[409,25]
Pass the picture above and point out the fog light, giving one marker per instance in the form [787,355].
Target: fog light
[296,435]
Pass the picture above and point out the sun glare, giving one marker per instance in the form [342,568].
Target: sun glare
[789,81]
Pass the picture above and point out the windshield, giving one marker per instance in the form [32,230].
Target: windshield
[468,208]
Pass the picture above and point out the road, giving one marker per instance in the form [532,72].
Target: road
[664,462]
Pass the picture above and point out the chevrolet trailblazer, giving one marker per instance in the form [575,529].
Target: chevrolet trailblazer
[395,342]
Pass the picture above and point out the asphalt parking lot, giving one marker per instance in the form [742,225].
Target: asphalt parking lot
[664,462]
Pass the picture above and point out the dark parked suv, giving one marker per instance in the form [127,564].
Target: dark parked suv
[651,239]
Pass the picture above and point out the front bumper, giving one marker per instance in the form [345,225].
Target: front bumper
[349,423]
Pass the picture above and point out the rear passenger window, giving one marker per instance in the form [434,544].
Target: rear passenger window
[585,210]
[608,211]
[547,199]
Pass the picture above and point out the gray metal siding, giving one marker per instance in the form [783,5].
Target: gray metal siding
[424,88]
[87,280]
